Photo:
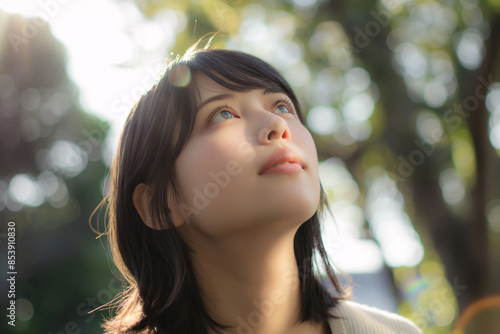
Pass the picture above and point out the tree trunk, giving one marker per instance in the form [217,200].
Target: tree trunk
[461,243]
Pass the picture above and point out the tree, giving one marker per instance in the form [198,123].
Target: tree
[51,175]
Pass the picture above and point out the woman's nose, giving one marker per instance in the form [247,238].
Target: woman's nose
[273,127]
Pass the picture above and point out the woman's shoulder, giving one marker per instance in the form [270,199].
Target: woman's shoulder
[356,318]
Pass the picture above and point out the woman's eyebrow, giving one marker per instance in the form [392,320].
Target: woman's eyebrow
[230,95]
[215,98]
[273,91]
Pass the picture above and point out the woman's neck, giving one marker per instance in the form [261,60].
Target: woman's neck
[251,281]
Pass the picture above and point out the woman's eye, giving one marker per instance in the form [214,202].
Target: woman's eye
[283,108]
[224,115]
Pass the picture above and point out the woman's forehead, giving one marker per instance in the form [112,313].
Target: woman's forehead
[207,86]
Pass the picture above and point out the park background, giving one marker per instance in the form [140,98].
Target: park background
[402,98]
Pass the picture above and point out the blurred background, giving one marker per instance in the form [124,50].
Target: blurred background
[402,98]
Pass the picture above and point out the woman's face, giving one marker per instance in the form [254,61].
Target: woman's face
[218,172]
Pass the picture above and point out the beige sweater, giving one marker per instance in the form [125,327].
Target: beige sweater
[356,318]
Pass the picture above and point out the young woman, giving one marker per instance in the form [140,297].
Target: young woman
[214,209]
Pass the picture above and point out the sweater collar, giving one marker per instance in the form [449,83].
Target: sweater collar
[337,325]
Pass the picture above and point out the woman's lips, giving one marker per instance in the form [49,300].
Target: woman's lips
[283,160]
[284,168]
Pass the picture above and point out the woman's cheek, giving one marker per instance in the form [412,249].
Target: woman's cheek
[246,152]
[206,167]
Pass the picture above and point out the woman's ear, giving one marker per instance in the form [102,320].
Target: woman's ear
[142,201]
